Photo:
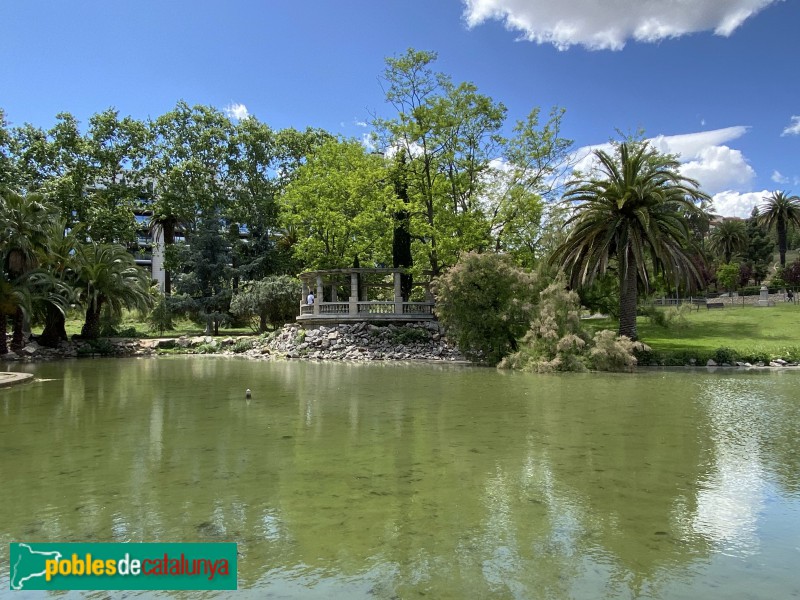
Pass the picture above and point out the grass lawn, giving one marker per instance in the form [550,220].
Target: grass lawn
[752,332]
[133,320]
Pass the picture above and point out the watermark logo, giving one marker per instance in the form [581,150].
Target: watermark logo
[123,566]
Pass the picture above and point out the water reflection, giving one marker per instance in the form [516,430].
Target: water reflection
[396,481]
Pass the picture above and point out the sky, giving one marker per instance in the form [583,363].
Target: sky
[715,81]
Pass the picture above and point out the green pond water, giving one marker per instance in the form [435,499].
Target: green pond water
[416,481]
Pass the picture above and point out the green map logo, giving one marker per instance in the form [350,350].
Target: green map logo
[28,564]
[170,566]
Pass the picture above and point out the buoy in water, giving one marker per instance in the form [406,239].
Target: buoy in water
[247,393]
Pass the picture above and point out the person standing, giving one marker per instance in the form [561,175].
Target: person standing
[310,299]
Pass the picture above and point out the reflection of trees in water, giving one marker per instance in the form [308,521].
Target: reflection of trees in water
[467,481]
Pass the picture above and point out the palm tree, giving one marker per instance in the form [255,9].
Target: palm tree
[729,238]
[636,211]
[24,222]
[59,260]
[107,275]
[20,296]
[779,211]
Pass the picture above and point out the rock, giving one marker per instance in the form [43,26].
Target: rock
[30,349]
[775,363]
[780,361]
[228,341]
[183,342]
[10,356]
[711,363]
[693,361]
[168,343]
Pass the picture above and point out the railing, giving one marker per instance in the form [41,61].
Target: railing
[333,308]
[376,308]
[417,308]
[372,307]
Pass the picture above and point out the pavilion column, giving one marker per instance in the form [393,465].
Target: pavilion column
[334,293]
[318,299]
[303,292]
[353,293]
[398,294]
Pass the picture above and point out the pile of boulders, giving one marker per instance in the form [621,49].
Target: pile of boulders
[359,341]
[364,341]
[33,351]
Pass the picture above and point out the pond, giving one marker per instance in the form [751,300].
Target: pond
[417,480]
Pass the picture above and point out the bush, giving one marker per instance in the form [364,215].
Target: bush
[669,318]
[725,355]
[485,304]
[273,301]
[557,340]
[206,349]
[614,353]
[408,335]
[160,318]
[242,346]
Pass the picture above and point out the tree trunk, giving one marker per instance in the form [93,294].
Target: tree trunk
[401,238]
[17,336]
[781,227]
[54,328]
[3,334]
[91,327]
[627,298]
[168,230]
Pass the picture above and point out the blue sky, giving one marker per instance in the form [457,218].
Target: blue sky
[714,80]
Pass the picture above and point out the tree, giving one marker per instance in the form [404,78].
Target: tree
[448,132]
[115,150]
[107,277]
[24,222]
[779,212]
[759,248]
[341,206]
[728,238]
[188,162]
[7,170]
[468,187]
[205,281]
[791,274]
[485,304]
[271,301]
[262,163]
[21,296]
[728,276]
[634,212]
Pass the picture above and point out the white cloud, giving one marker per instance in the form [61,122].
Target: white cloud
[361,123]
[237,111]
[719,168]
[736,204]
[607,25]
[794,127]
[778,178]
[703,156]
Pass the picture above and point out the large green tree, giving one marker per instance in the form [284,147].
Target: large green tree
[24,223]
[728,239]
[107,277]
[633,213]
[340,206]
[468,187]
[779,212]
[188,163]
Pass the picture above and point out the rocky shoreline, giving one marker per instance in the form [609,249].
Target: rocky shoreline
[357,342]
